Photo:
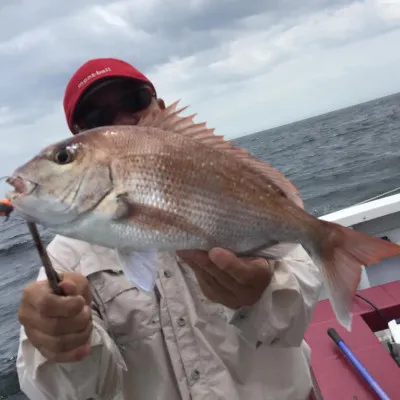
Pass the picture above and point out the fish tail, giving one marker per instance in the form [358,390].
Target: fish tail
[340,253]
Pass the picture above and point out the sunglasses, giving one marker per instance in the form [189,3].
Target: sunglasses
[130,103]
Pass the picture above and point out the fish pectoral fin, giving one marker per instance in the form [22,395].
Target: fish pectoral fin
[140,268]
[124,207]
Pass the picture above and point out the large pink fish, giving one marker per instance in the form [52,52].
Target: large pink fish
[170,184]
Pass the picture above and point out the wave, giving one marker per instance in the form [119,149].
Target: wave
[9,384]
[15,236]
[23,245]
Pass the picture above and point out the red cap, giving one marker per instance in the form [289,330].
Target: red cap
[91,72]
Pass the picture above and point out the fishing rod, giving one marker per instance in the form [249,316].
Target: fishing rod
[53,277]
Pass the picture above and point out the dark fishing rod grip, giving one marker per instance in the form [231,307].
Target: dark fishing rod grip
[334,335]
[52,276]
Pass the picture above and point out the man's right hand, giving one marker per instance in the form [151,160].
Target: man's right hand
[58,326]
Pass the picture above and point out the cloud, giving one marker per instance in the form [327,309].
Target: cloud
[241,66]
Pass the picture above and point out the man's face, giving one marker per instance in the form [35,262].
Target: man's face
[120,102]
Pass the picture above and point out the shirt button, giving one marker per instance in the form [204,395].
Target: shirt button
[167,274]
[181,321]
[195,375]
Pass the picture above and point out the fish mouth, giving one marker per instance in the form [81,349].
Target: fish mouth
[21,186]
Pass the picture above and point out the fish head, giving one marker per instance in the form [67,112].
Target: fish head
[61,182]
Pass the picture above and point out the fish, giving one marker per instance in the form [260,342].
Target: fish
[169,184]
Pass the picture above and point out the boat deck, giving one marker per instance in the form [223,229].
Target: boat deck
[335,377]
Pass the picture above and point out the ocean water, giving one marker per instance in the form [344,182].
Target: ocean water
[335,159]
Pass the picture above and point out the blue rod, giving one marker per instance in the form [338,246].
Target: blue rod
[357,364]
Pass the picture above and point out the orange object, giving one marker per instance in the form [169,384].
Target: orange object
[5,208]
[6,201]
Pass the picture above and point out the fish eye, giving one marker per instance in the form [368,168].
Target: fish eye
[64,156]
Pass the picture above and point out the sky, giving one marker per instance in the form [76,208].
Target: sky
[241,66]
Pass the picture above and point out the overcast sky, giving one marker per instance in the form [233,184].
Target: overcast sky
[242,66]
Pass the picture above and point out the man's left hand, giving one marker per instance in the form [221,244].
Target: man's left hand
[224,278]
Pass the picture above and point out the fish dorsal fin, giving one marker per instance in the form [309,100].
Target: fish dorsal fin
[169,119]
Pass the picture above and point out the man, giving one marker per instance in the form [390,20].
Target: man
[215,327]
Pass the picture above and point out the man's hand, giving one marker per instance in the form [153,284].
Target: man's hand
[226,279]
[59,327]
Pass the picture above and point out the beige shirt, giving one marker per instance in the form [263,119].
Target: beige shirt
[174,343]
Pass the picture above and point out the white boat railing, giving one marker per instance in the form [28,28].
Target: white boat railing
[379,196]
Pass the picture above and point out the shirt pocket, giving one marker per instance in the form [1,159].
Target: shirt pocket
[129,313]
